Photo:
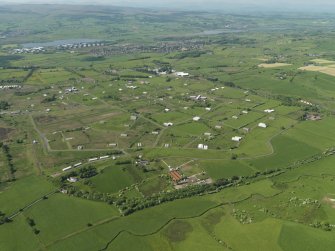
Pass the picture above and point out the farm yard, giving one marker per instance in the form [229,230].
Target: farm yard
[218,142]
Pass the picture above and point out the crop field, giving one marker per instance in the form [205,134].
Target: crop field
[158,136]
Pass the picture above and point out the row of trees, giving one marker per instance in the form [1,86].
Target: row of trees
[9,159]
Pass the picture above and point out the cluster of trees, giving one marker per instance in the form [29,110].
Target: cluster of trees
[4,105]
[90,195]
[9,158]
[189,54]
[3,218]
[123,162]
[87,172]
[323,225]
[131,205]
[49,99]
[229,84]
[32,224]
[84,173]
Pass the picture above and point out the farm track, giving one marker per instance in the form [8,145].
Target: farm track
[31,204]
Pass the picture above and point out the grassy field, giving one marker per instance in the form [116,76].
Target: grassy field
[85,157]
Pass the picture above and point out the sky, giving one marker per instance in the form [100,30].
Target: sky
[322,5]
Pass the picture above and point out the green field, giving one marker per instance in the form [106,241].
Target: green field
[86,162]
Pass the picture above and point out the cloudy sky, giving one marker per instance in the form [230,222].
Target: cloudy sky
[324,5]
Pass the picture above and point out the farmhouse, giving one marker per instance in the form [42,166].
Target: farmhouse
[269,110]
[262,125]
[113,144]
[92,159]
[236,138]
[124,135]
[196,118]
[104,157]
[176,177]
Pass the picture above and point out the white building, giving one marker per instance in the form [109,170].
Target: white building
[236,138]
[78,164]
[196,118]
[269,110]
[168,124]
[182,74]
[66,168]
[72,179]
[202,147]
[262,125]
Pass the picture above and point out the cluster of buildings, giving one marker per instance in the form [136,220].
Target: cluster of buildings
[306,102]
[29,50]
[198,97]
[80,45]
[71,89]
[89,161]
[7,87]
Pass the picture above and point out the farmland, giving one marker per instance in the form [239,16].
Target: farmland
[149,132]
